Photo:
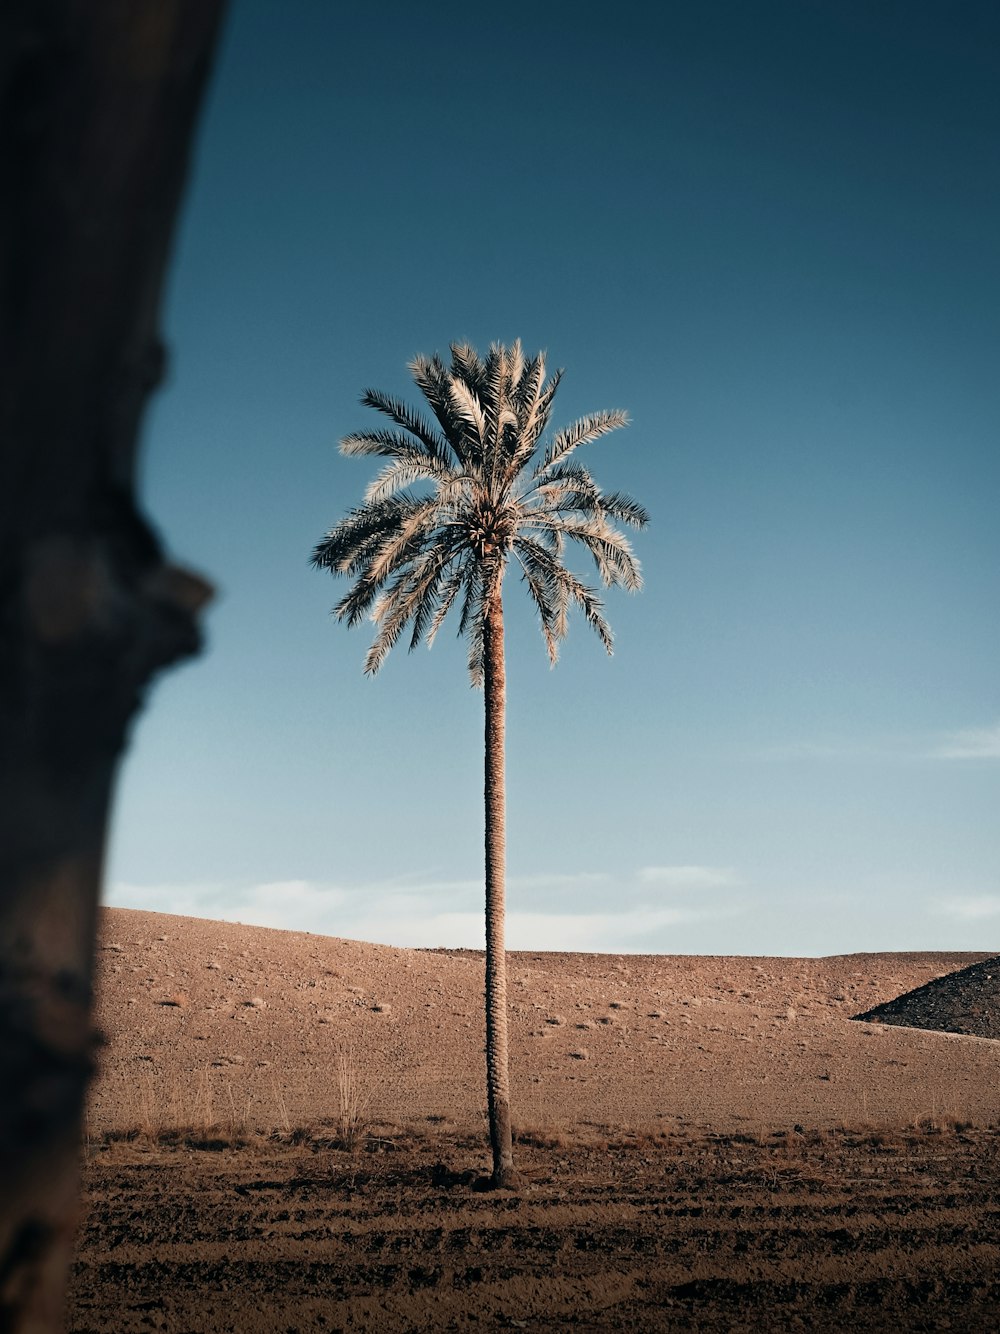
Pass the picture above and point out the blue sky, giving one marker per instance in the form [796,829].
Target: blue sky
[770,232]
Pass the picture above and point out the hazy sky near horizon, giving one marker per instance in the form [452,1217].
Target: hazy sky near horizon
[771,232]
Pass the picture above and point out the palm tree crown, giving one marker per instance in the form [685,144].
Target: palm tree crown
[465,495]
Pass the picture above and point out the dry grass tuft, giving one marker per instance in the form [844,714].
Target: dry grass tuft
[281,1109]
[941,1123]
[353,1100]
[183,1116]
[539,1137]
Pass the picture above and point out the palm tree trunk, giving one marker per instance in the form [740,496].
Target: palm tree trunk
[497,1076]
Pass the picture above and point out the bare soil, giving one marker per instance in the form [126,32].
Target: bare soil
[287,1134]
[832,1231]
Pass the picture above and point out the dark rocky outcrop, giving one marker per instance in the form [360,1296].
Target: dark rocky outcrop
[964,1002]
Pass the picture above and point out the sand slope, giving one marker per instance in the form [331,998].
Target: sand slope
[252,1019]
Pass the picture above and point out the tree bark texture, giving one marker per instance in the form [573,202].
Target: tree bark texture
[98,104]
[497,1073]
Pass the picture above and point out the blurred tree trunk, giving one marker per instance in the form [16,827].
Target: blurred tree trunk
[98,104]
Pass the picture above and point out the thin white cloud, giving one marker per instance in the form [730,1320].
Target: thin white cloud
[578,880]
[973,908]
[446,914]
[974,743]
[643,929]
[296,905]
[688,877]
[439,930]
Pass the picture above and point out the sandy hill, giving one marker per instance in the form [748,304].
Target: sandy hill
[254,1022]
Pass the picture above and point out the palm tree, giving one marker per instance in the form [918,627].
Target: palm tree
[458,501]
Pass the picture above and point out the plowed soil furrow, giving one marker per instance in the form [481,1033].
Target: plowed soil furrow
[262,1239]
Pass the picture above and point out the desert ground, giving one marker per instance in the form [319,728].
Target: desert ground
[287,1133]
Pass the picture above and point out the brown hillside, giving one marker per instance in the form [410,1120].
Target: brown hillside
[253,1019]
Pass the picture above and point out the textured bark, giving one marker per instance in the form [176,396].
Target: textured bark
[98,102]
[497,1073]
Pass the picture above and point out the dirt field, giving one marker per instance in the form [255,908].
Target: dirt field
[287,1135]
[828,1231]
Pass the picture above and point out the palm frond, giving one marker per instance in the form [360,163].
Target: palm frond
[425,591]
[543,407]
[357,601]
[446,600]
[467,365]
[389,444]
[472,600]
[398,546]
[554,542]
[533,403]
[618,505]
[433,379]
[551,608]
[515,362]
[380,562]
[411,421]
[582,432]
[372,521]
[390,615]
[471,623]
[401,473]
[498,410]
[477,651]
[570,588]
[611,550]
[468,409]
[567,486]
